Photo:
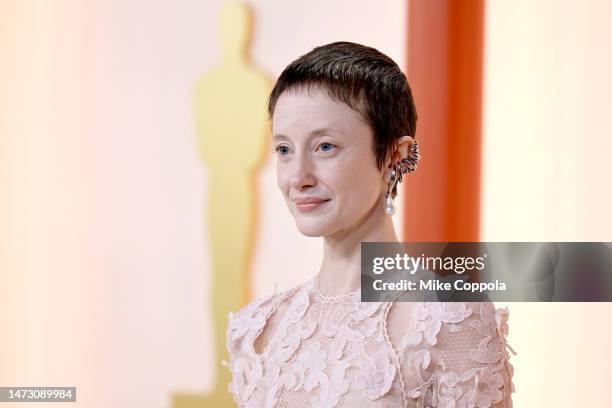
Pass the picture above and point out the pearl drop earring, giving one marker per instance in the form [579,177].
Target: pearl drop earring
[389,206]
[406,165]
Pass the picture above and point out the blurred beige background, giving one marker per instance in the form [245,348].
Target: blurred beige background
[103,263]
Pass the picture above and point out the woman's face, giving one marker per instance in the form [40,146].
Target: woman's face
[324,153]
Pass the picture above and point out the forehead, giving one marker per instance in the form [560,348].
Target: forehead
[306,109]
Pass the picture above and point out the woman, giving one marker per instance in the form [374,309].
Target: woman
[343,124]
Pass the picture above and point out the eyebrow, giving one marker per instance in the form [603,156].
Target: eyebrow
[314,133]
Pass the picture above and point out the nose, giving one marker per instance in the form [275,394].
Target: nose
[302,173]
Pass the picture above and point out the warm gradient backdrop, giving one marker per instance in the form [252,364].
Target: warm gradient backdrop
[104,266]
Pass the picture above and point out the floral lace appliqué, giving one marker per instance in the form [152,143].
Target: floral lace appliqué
[328,352]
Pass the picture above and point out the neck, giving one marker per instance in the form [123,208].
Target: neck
[340,271]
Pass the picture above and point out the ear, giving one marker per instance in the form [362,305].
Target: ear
[404,144]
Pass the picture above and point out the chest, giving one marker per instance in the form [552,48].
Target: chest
[319,354]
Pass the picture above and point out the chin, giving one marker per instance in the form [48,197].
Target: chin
[311,231]
[315,229]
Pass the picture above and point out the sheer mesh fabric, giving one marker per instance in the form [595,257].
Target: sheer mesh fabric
[301,398]
[299,348]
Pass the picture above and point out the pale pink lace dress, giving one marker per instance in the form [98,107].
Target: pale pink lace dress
[337,351]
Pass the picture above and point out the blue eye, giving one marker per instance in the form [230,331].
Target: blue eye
[281,150]
[323,145]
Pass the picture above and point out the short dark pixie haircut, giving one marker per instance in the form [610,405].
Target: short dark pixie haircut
[366,80]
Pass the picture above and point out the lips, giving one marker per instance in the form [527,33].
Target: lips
[310,200]
[309,204]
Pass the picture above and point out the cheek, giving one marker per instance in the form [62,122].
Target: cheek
[281,181]
[360,187]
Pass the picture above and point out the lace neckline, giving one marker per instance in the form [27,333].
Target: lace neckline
[315,284]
